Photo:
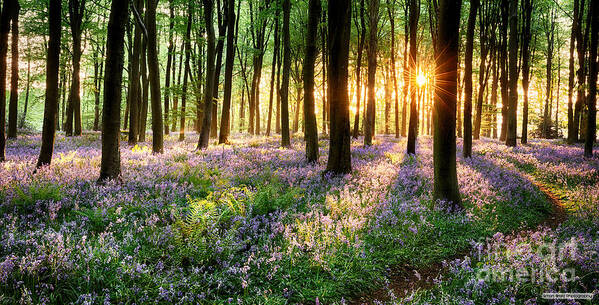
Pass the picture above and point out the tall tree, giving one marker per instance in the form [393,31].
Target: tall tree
[550,35]
[14,78]
[208,88]
[52,67]
[285,140]
[4,30]
[444,138]
[467,150]
[593,65]
[154,76]
[186,71]
[169,64]
[110,166]
[273,73]
[527,6]
[361,42]
[513,74]
[76,15]
[339,29]
[311,134]
[571,132]
[373,14]
[134,85]
[391,13]
[414,8]
[229,61]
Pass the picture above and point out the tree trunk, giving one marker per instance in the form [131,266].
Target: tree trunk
[444,141]
[467,149]
[339,29]
[413,124]
[14,79]
[504,69]
[110,167]
[134,85]
[391,12]
[285,140]
[7,9]
[210,72]
[311,135]
[220,45]
[571,134]
[273,73]
[27,89]
[592,99]
[76,12]
[145,85]
[185,72]
[229,61]
[513,74]
[169,66]
[527,15]
[546,124]
[154,69]
[362,40]
[373,14]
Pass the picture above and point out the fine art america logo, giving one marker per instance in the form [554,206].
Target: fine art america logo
[545,264]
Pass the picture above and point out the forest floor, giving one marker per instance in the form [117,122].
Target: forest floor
[254,223]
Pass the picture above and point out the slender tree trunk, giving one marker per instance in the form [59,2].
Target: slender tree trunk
[513,74]
[581,50]
[362,40]
[154,78]
[571,129]
[406,75]
[27,89]
[145,86]
[169,65]
[76,12]
[592,99]
[467,149]
[229,61]
[186,72]
[339,29]
[4,30]
[391,12]
[220,45]
[549,81]
[373,13]
[504,68]
[311,135]
[285,140]
[273,73]
[134,85]
[110,167]
[413,124]
[14,79]
[527,10]
[210,72]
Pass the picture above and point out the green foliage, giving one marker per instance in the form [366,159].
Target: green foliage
[25,199]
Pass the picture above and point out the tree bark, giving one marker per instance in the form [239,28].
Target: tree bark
[4,30]
[186,71]
[229,61]
[76,12]
[362,40]
[273,72]
[339,28]
[373,14]
[592,98]
[210,71]
[110,167]
[571,132]
[169,66]
[527,16]
[513,74]
[467,149]
[285,140]
[414,8]
[154,76]
[311,135]
[444,141]
[134,85]
[14,79]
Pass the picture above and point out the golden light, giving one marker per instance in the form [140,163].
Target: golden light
[420,79]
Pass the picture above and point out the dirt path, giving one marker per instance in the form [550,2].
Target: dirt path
[404,279]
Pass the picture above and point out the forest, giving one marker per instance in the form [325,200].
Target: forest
[299,152]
